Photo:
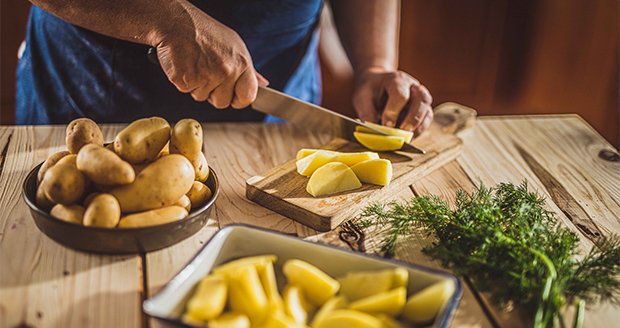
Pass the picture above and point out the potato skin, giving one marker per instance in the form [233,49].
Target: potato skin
[186,138]
[160,184]
[184,202]
[199,194]
[153,217]
[89,198]
[70,159]
[104,167]
[64,184]
[82,131]
[69,213]
[49,162]
[103,211]
[142,140]
[201,167]
[42,201]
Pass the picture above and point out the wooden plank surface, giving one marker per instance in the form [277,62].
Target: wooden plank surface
[283,190]
[43,284]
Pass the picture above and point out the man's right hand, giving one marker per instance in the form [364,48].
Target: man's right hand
[210,61]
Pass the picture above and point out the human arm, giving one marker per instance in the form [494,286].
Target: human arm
[369,33]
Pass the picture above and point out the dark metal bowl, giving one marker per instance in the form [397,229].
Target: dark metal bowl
[116,240]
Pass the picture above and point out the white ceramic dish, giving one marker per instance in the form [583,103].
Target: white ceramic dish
[236,241]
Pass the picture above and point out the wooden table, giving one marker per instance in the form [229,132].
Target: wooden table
[43,284]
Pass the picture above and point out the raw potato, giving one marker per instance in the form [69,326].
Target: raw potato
[89,198]
[201,167]
[64,184]
[390,302]
[362,284]
[351,159]
[349,318]
[209,300]
[332,178]
[164,151]
[80,132]
[379,142]
[160,184]
[49,162]
[69,159]
[304,152]
[184,202]
[142,140]
[41,199]
[296,305]
[104,167]
[69,213]
[408,135]
[233,267]
[307,165]
[199,194]
[332,304]
[317,286]
[230,320]
[186,138]
[247,295]
[423,306]
[153,217]
[374,171]
[103,211]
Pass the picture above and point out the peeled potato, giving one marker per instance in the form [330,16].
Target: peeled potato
[305,152]
[209,300]
[230,320]
[267,276]
[423,306]
[247,295]
[348,318]
[334,303]
[307,165]
[234,266]
[407,135]
[332,178]
[351,159]
[388,322]
[374,171]
[316,284]
[361,284]
[379,142]
[390,302]
[296,305]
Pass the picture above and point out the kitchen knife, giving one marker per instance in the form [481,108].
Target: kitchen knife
[309,116]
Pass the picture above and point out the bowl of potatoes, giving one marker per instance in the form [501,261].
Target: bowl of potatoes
[148,189]
[250,277]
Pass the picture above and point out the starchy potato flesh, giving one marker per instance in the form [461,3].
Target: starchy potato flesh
[407,135]
[209,300]
[307,165]
[378,142]
[348,158]
[332,178]
[358,285]
[296,306]
[247,295]
[374,171]
[387,321]
[232,266]
[349,318]
[334,303]
[316,284]
[390,302]
[423,306]
[231,320]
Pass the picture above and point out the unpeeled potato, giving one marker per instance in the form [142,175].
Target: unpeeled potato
[102,211]
[70,159]
[80,132]
[69,213]
[199,194]
[153,217]
[103,166]
[64,184]
[49,162]
[142,140]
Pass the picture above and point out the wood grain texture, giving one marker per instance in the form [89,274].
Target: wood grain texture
[43,284]
[283,190]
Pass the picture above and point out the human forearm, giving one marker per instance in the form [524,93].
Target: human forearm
[369,32]
[140,21]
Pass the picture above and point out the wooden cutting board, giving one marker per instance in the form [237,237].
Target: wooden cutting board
[283,190]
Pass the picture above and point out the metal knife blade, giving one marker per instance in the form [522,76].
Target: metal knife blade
[309,116]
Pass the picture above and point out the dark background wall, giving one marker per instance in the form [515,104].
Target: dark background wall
[498,56]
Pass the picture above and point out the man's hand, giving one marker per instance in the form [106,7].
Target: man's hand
[383,96]
[210,61]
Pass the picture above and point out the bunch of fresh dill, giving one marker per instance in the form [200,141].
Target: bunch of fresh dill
[505,240]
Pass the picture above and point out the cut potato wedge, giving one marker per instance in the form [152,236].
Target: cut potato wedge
[247,295]
[379,142]
[390,302]
[349,318]
[374,171]
[422,307]
[233,266]
[407,135]
[307,165]
[358,285]
[317,286]
[351,159]
[209,300]
[296,306]
[332,304]
[332,178]
[230,320]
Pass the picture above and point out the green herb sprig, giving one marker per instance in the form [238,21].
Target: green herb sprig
[505,240]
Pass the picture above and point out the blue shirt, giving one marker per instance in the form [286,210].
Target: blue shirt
[67,71]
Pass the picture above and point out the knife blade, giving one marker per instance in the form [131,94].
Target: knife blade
[309,116]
